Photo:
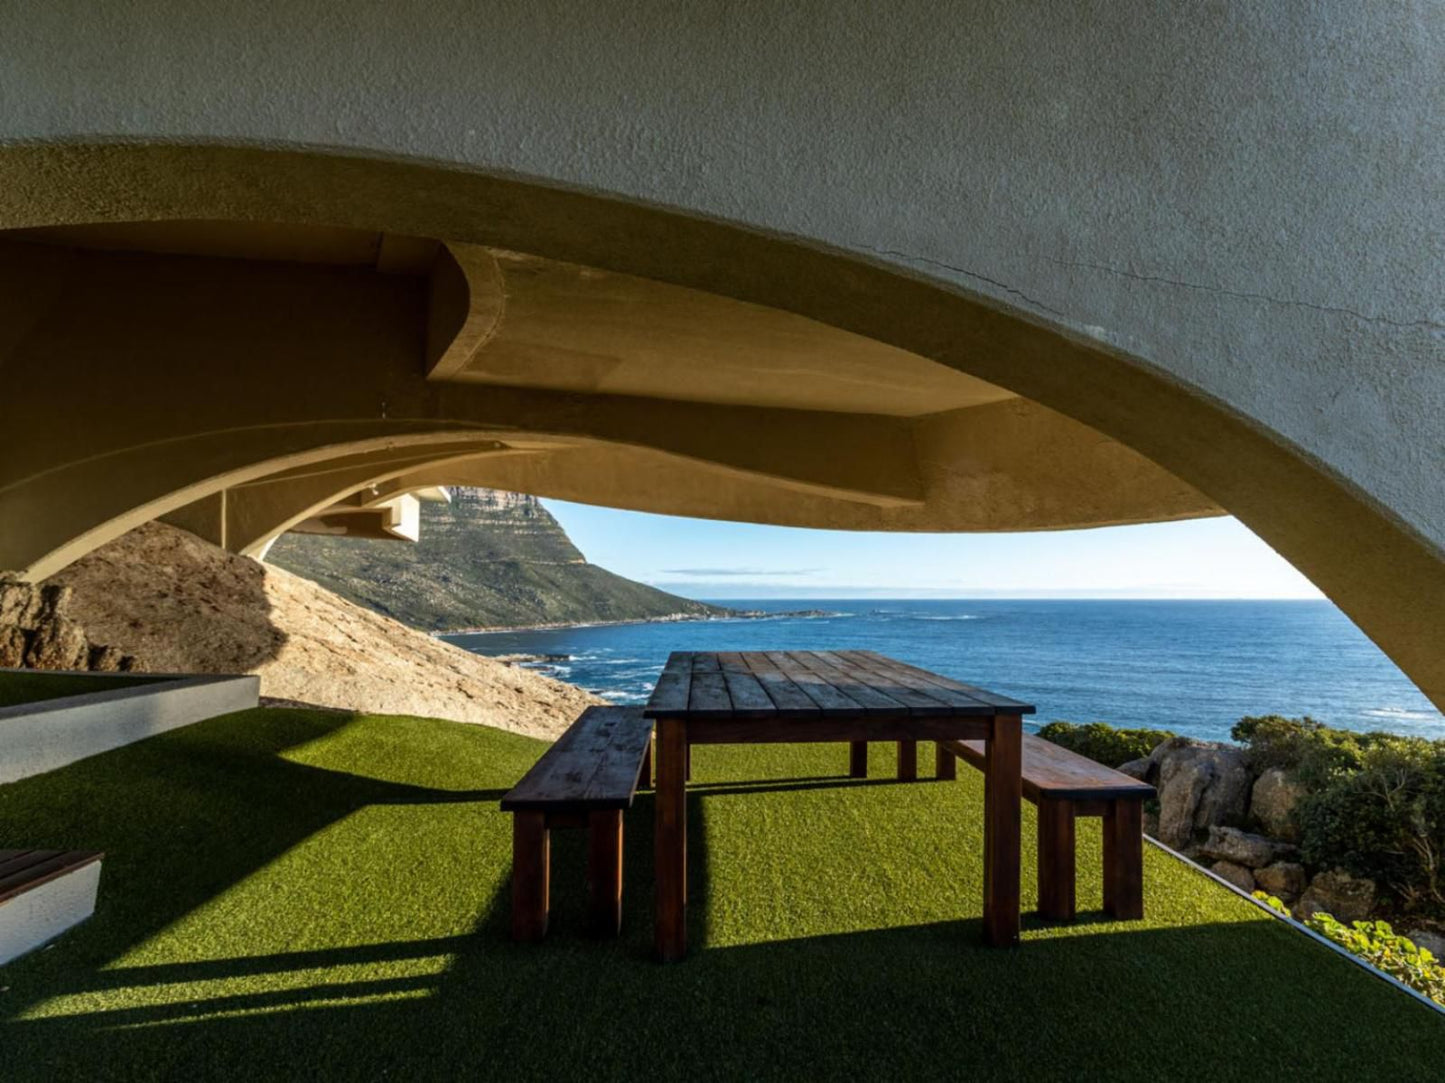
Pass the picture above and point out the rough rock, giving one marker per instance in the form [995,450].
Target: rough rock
[1237,875]
[1273,801]
[1140,768]
[60,643]
[12,647]
[1151,824]
[19,602]
[185,606]
[1345,897]
[108,660]
[1284,879]
[1251,851]
[1201,784]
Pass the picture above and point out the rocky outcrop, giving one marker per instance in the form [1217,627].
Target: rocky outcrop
[1236,874]
[1272,802]
[1251,851]
[1346,898]
[1201,784]
[1286,880]
[37,631]
[186,606]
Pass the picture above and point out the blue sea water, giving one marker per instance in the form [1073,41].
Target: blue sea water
[1195,667]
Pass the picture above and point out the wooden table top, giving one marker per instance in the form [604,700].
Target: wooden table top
[813,685]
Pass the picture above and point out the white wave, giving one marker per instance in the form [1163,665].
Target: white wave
[963,616]
[1404,715]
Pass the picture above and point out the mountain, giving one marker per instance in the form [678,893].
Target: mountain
[486,560]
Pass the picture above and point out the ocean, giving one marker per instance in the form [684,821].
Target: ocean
[1194,667]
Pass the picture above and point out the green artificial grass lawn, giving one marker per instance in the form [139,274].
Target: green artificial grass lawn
[306,895]
[32,686]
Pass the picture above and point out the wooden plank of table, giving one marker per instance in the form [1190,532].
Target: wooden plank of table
[786,696]
[670,695]
[1001,704]
[830,700]
[750,699]
[902,687]
[917,681]
[855,686]
[708,696]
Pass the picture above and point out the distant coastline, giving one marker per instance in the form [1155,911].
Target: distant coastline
[668,618]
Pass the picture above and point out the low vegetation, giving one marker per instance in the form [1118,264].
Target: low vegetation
[297,894]
[1378,944]
[1375,802]
[1103,743]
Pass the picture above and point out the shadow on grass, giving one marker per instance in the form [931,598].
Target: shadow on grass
[919,1001]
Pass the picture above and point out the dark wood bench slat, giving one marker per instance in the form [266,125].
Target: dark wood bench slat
[40,867]
[1055,772]
[594,765]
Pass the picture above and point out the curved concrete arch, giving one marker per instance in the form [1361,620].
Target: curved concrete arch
[1374,547]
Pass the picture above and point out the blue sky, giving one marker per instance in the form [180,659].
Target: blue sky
[1204,558]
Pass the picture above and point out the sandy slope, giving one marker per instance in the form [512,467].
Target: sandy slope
[182,605]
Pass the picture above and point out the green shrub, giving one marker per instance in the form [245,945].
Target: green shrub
[1383,818]
[1103,743]
[1308,750]
[1380,946]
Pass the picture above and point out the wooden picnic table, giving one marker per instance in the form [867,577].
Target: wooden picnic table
[834,696]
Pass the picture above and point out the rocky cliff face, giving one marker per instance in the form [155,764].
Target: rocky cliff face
[487,560]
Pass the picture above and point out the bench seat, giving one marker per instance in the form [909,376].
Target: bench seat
[42,894]
[588,778]
[1064,786]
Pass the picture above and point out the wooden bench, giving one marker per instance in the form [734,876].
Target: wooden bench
[587,779]
[43,893]
[1064,785]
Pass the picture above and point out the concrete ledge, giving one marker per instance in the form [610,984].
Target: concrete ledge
[41,736]
[38,916]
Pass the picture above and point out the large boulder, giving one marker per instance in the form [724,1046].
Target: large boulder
[1237,875]
[1286,880]
[1428,939]
[20,602]
[1273,801]
[1251,851]
[1201,784]
[1346,898]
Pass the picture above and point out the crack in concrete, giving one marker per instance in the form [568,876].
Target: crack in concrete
[967,274]
[1244,294]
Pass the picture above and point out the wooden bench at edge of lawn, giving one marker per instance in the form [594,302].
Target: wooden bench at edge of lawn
[42,894]
[1064,785]
[588,778]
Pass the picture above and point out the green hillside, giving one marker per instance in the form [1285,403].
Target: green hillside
[486,560]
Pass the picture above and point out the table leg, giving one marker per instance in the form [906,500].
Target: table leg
[945,763]
[857,759]
[671,839]
[1002,800]
[907,761]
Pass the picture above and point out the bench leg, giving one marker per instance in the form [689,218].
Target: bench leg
[1056,859]
[604,872]
[1002,801]
[857,759]
[670,840]
[1124,860]
[531,866]
[907,761]
[945,763]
